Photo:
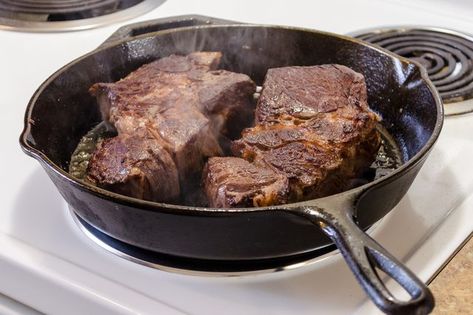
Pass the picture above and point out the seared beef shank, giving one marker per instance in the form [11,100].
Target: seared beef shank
[232,181]
[186,106]
[314,126]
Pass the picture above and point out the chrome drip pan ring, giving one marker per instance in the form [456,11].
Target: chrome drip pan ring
[196,267]
[69,15]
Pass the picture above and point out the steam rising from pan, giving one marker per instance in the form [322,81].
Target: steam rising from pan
[245,49]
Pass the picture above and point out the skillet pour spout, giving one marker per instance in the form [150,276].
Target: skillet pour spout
[61,111]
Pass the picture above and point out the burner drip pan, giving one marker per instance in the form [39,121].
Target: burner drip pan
[190,266]
[68,15]
[200,267]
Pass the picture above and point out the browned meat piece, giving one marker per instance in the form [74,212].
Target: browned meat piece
[185,103]
[231,182]
[190,138]
[153,87]
[314,126]
[226,98]
[305,164]
[313,168]
[319,157]
[305,92]
[177,83]
[135,165]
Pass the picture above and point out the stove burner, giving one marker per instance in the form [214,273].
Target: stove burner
[199,267]
[51,15]
[447,56]
[52,7]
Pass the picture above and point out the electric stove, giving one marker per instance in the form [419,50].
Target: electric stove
[50,262]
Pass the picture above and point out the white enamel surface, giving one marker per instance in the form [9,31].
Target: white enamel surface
[48,264]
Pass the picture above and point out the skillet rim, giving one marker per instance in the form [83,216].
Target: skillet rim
[146,205]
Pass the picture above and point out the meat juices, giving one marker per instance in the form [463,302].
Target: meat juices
[313,127]
[171,115]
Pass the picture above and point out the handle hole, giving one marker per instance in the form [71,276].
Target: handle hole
[396,290]
[394,279]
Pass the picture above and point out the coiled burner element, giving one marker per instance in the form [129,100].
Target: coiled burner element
[54,6]
[61,15]
[447,56]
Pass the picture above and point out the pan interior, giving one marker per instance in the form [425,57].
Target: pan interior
[64,112]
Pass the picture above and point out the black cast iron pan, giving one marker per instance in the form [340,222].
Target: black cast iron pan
[61,111]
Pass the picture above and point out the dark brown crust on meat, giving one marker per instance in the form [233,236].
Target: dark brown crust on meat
[230,182]
[137,166]
[304,92]
[314,126]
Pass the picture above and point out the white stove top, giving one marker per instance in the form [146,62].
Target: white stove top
[48,264]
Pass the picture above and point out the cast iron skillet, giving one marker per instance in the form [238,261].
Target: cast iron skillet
[61,111]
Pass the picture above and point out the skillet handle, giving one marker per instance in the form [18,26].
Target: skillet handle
[132,30]
[363,254]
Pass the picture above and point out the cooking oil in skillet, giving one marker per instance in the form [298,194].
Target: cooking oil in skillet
[389,157]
